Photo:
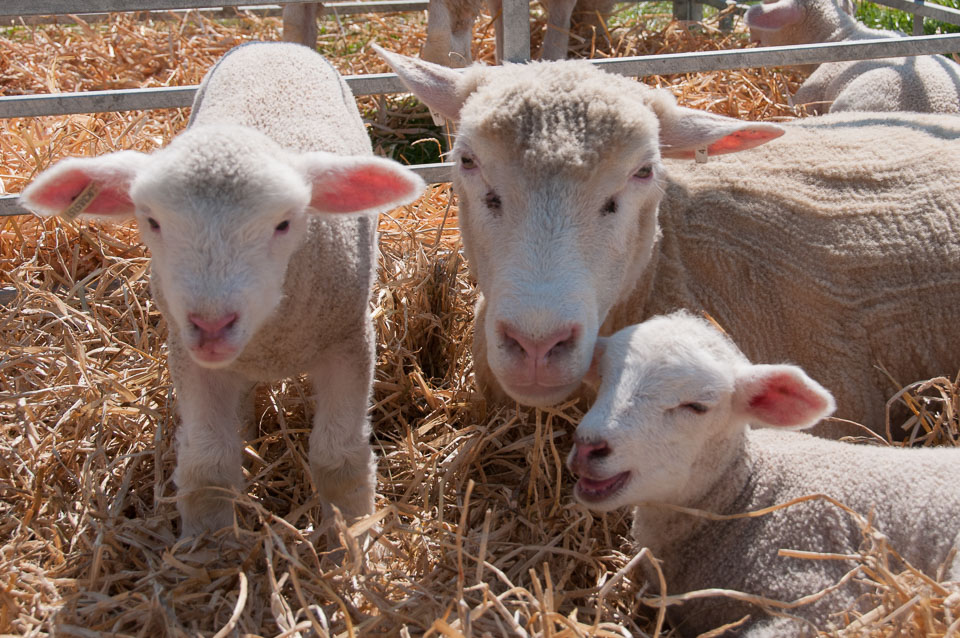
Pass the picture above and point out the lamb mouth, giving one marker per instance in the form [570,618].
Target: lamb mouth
[596,490]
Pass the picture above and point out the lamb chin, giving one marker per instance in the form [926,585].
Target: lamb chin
[541,396]
[598,494]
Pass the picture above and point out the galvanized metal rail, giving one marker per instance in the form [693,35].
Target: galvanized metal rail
[379,83]
[64,7]
[329,8]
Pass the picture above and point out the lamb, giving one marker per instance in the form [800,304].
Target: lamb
[834,246]
[450,27]
[923,83]
[257,271]
[670,426]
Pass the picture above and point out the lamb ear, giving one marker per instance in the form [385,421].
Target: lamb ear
[773,16]
[103,182]
[437,86]
[683,131]
[359,184]
[781,396]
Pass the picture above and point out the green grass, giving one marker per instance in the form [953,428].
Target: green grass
[880,17]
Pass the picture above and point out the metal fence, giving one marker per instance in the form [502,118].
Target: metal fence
[516,48]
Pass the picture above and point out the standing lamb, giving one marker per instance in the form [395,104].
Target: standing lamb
[257,275]
[670,427]
[834,246]
[450,27]
[927,83]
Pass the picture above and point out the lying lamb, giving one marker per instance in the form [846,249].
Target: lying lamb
[254,271]
[670,426]
[834,247]
[928,83]
[450,27]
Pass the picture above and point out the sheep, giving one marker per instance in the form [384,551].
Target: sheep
[450,27]
[670,427]
[256,274]
[923,83]
[834,247]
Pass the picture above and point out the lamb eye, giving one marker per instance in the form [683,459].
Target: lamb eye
[467,162]
[492,200]
[609,208]
[644,172]
[697,408]
[153,224]
[283,226]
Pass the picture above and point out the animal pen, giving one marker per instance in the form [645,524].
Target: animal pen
[478,534]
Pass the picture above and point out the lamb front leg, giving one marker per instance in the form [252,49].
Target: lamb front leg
[556,41]
[341,458]
[209,445]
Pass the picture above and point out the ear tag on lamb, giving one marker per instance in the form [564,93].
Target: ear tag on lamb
[81,201]
[700,155]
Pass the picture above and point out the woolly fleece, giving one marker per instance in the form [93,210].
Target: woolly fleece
[835,247]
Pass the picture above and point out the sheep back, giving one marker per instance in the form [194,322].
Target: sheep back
[835,247]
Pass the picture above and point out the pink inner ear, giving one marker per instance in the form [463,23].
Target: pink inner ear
[359,189]
[742,140]
[60,193]
[786,401]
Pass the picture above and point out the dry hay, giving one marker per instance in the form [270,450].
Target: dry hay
[476,532]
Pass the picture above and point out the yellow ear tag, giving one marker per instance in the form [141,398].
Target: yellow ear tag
[81,201]
[701,155]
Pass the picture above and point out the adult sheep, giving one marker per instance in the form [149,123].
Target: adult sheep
[926,83]
[669,430]
[450,27]
[256,271]
[834,247]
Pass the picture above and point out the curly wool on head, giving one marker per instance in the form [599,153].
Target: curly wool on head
[558,116]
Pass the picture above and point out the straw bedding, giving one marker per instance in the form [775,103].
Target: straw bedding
[476,532]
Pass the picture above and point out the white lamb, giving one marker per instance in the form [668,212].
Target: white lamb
[834,246]
[928,83]
[670,426]
[254,271]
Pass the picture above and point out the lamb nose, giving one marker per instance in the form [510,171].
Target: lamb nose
[587,452]
[539,348]
[212,327]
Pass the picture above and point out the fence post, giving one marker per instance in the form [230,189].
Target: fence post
[918,20]
[687,10]
[516,31]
